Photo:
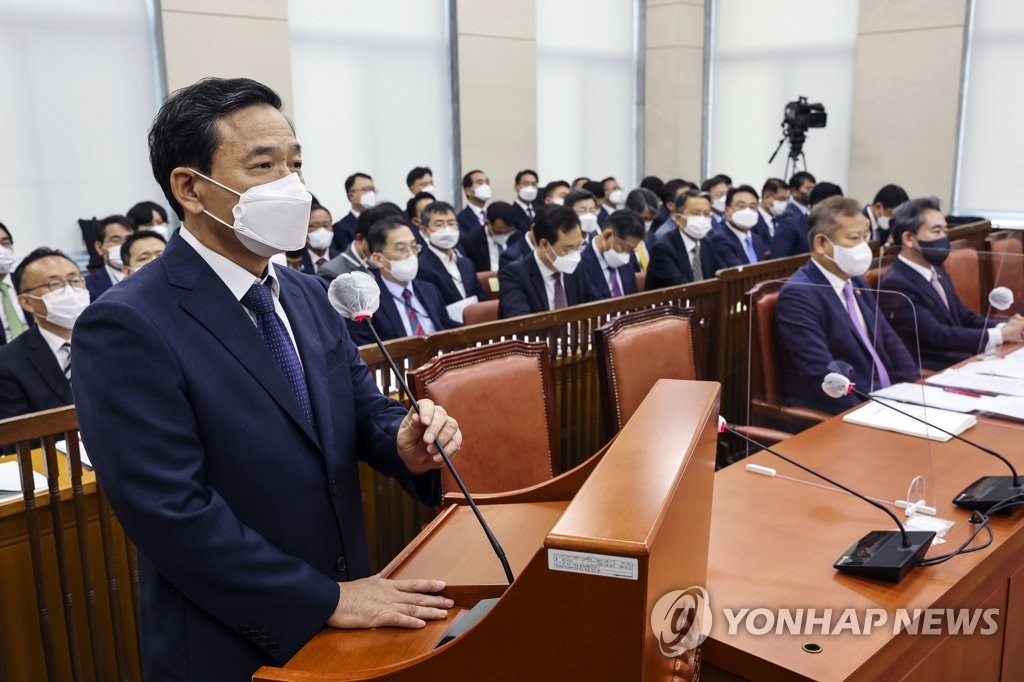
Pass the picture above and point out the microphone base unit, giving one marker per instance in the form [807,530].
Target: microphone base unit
[988,491]
[880,555]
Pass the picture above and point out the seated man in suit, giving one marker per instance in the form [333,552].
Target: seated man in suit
[362,195]
[608,263]
[440,263]
[526,193]
[612,198]
[320,240]
[717,188]
[684,255]
[35,368]
[13,320]
[929,314]
[476,187]
[584,204]
[826,315]
[420,179]
[554,192]
[663,224]
[141,248]
[546,279]
[734,240]
[790,237]
[414,208]
[774,201]
[114,230]
[879,213]
[408,306]
[357,255]
[485,246]
[644,202]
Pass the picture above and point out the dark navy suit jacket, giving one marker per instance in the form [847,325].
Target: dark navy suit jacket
[813,332]
[522,219]
[790,233]
[97,282]
[670,263]
[344,232]
[761,230]
[660,217]
[475,246]
[468,218]
[602,215]
[522,288]
[245,515]
[432,270]
[387,321]
[729,250]
[945,335]
[597,283]
[31,379]
[307,260]
[514,251]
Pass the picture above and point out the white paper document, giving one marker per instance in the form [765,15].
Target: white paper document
[1000,367]
[62,447]
[985,383]
[879,416]
[455,309]
[10,479]
[931,396]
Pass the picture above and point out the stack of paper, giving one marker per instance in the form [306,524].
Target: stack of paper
[1000,367]
[10,480]
[879,416]
[977,382]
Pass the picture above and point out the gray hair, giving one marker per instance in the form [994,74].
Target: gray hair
[909,216]
[642,199]
[824,217]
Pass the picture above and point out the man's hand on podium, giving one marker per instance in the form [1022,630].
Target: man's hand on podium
[378,602]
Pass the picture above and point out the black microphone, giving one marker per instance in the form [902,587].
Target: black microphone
[980,495]
[356,296]
[881,554]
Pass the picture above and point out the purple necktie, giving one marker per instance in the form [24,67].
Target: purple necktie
[560,301]
[613,274]
[939,290]
[851,308]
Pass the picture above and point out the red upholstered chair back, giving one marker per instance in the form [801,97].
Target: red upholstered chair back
[485,311]
[964,269]
[502,397]
[488,279]
[641,281]
[635,350]
[764,356]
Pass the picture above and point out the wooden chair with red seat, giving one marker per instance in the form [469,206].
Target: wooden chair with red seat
[476,313]
[1007,264]
[636,349]
[765,381]
[964,269]
[501,395]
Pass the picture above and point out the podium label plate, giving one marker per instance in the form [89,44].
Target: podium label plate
[625,568]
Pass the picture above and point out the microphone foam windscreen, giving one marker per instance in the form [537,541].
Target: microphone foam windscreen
[354,295]
[835,385]
[1000,298]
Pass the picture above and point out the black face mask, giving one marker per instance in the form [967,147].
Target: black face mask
[935,251]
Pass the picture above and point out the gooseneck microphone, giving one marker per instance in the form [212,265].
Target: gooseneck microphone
[981,495]
[881,554]
[1000,298]
[356,296]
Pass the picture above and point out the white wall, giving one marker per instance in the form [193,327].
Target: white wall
[585,79]
[78,98]
[372,94]
[766,54]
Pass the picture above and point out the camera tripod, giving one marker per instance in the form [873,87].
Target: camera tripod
[796,157]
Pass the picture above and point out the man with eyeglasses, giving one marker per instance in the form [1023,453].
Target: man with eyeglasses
[113,231]
[684,255]
[408,306]
[546,279]
[35,368]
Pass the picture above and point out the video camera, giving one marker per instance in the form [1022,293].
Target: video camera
[801,115]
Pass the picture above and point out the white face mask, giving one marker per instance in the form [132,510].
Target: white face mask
[617,197]
[161,230]
[745,218]
[369,199]
[528,193]
[779,207]
[445,238]
[883,222]
[114,257]
[566,264]
[482,192]
[320,238]
[647,225]
[615,259]
[270,218]
[501,238]
[405,270]
[853,260]
[697,227]
[719,204]
[558,201]
[588,221]
[6,260]
[63,307]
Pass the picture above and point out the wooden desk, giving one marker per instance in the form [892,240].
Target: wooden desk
[773,543]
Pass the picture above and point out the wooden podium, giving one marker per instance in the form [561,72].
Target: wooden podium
[626,526]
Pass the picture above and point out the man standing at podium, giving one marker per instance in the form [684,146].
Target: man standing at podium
[226,410]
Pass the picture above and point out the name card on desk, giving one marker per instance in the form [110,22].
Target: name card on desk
[626,568]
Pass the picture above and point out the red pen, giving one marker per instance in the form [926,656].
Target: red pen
[961,391]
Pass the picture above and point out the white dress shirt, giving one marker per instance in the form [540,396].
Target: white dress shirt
[527,208]
[115,274]
[399,300]
[609,273]
[769,220]
[803,209]
[743,236]
[314,257]
[56,344]
[451,265]
[549,276]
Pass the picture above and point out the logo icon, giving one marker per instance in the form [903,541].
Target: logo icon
[682,620]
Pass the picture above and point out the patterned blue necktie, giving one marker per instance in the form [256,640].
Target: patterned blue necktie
[260,301]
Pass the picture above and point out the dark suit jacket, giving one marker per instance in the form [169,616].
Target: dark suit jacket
[97,282]
[945,335]
[344,232]
[245,515]
[468,218]
[307,261]
[597,283]
[522,288]
[474,246]
[877,233]
[729,250]
[387,321]
[670,264]
[660,217]
[762,231]
[515,250]
[31,379]
[602,215]
[813,331]
[432,270]
[790,233]
[522,219]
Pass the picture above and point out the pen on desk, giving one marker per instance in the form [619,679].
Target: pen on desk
[961,391]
